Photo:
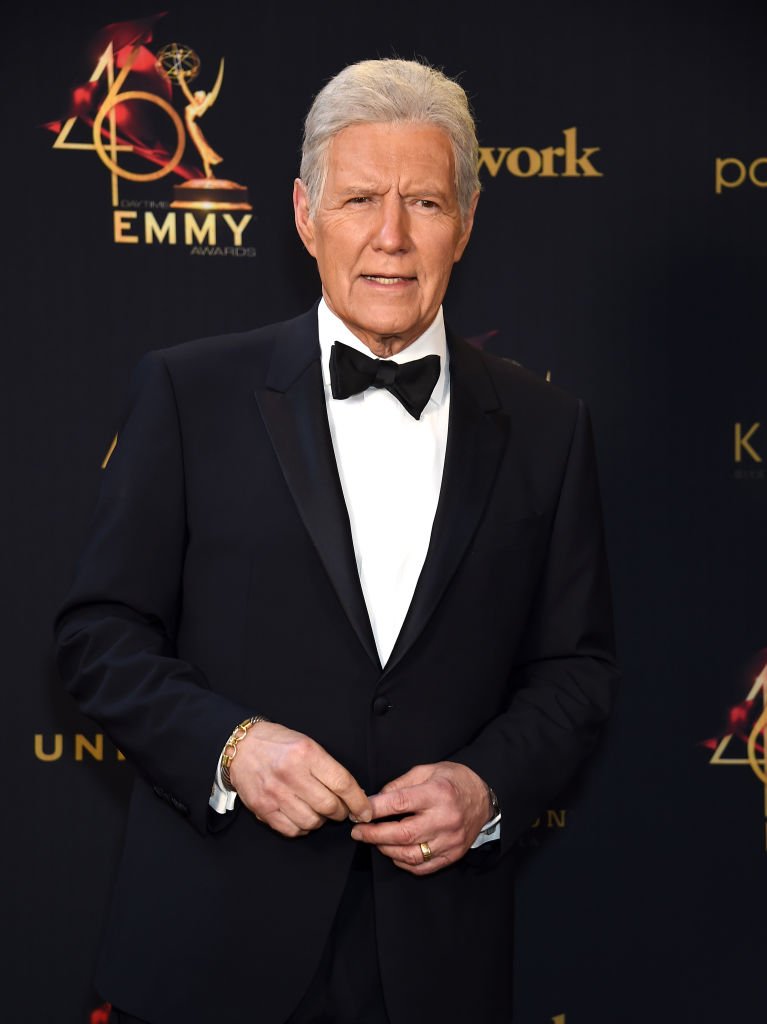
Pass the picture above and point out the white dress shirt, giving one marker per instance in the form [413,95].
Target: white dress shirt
[390,466]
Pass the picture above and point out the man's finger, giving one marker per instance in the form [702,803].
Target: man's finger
[412,855]
[322,800]
[398,802]
[341,782]
[282,824]
[412,831]
[426,868]
[302,814]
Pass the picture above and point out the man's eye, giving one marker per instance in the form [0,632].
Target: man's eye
[359,200]
[427,204]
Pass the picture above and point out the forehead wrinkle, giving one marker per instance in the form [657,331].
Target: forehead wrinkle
[378,167]
[405,185]
[360,188]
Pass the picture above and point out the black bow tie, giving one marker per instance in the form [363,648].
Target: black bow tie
[352,372]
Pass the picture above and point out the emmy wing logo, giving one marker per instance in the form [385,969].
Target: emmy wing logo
[182,66]
[744,743]
[127,114]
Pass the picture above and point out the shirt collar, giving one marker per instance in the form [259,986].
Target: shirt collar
[433,341]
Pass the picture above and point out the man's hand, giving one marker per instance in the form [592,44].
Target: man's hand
[291,783]
[444,805]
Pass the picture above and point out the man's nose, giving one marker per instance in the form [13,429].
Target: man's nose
[392,230]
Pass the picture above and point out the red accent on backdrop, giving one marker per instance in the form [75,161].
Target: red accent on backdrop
[134,126]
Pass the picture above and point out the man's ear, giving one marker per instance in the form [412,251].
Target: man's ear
[304,222]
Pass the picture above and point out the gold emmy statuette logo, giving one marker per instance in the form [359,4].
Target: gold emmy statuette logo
[181,65]
[747,726]
[127,108]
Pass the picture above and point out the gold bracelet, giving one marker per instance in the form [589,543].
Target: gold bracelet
[230,747]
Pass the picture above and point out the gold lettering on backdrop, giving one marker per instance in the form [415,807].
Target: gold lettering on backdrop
[123,222]
[237,228]
[568,161]
[547,160]
[194,232]
[95,749]
[553,819]
[154,230]
[559,1019]
[731,172]
[524,162]
[486,159]
[575,163]
[720,180]
[58,747]
[81,745]
[742,442]
[759,182]
[165,230]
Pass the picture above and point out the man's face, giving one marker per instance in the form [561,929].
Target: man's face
[387,230]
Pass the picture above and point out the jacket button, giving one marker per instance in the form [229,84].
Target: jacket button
[381,706]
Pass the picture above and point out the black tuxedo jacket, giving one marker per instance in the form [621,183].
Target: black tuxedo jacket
[220,581]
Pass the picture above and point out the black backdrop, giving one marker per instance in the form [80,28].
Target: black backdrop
[640,287]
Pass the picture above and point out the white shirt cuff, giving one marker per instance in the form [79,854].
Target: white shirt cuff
[221,799]
[490,832]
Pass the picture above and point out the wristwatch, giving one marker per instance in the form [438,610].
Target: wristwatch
[495,807]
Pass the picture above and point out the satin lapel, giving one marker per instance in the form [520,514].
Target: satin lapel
[292,406]
[477,434]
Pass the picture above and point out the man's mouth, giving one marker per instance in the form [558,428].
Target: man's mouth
[387,280]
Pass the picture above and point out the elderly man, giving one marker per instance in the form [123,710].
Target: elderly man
[345,608]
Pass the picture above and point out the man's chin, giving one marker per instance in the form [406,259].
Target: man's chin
[388,326]
[386,342]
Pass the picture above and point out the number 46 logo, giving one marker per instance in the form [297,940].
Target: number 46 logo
[105,141]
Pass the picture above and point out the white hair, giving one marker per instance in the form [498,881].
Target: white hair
[385,92]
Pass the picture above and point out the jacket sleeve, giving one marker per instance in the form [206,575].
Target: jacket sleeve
[563,680]
[115,634]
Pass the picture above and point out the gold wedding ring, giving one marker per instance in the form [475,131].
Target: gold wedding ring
[426,851]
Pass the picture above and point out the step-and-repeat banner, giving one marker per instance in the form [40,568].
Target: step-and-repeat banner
[619,250]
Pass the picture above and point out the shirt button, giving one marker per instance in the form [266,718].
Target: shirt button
[381,706]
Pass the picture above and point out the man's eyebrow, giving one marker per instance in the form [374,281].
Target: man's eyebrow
[415,189]
[425,189]
[358,189]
